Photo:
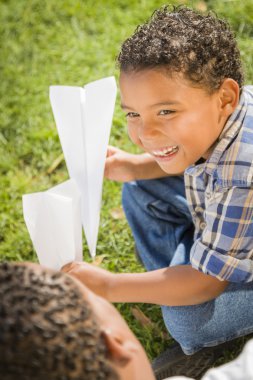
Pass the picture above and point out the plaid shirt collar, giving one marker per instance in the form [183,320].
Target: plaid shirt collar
[229,132]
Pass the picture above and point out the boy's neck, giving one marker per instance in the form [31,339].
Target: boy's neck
[200,161]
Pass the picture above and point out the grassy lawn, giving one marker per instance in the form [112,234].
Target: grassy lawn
[73,42]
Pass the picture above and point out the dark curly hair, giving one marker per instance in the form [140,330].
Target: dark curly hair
[47,329]
[202,47]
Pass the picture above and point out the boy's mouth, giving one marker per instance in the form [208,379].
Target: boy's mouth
[165,152]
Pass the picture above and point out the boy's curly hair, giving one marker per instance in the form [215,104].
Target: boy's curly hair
[202,47]
[47,329]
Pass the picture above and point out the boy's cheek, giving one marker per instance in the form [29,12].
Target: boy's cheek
[134,137]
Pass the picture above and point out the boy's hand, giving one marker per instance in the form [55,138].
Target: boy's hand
[96,279]
[124,167]
[120,165]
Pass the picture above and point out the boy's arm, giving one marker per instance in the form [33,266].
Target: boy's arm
[123,166]
[173,286]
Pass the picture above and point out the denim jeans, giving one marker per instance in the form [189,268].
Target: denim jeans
[162,227]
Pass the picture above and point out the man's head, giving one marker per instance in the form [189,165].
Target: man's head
[180,80]
[52,327]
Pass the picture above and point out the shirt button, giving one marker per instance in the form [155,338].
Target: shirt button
[199,209]
[202,225]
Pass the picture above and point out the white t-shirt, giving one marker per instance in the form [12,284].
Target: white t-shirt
[239,369]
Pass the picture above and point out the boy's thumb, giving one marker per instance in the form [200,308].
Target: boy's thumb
[111,150]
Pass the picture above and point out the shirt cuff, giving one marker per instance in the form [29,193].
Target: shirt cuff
[224,267]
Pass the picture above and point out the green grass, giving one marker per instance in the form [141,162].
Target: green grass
[74,42]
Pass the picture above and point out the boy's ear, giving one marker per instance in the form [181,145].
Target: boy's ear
[120,351]
[229,96]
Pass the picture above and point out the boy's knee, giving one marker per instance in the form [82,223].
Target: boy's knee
[128,194]
[188,325]
[134,195]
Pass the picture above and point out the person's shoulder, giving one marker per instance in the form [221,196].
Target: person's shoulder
[248,93]
[249,89]
[235,167]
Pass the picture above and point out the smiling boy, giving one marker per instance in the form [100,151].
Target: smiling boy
[181,86]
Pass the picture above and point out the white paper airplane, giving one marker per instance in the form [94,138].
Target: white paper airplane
[83,118]
[53,219]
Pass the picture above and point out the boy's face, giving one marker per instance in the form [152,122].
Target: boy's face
[169,118]
[109,318]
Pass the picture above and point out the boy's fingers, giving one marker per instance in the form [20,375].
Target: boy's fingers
[73,266]
[68,267]
[107,166]
[111,150]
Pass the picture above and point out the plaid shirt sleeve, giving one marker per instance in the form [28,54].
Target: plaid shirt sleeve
[224,249]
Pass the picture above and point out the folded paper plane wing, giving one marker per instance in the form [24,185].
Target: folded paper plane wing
[53,219]
[83,118]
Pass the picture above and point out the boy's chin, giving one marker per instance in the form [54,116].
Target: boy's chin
[171,169]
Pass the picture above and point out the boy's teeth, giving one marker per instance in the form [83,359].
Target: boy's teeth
[165,151]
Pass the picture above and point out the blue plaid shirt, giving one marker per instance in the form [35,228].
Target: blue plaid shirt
[220,197]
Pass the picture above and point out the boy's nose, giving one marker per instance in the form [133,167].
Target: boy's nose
[148,131]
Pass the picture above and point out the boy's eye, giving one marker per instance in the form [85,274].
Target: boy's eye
[132,114]
[165,112]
